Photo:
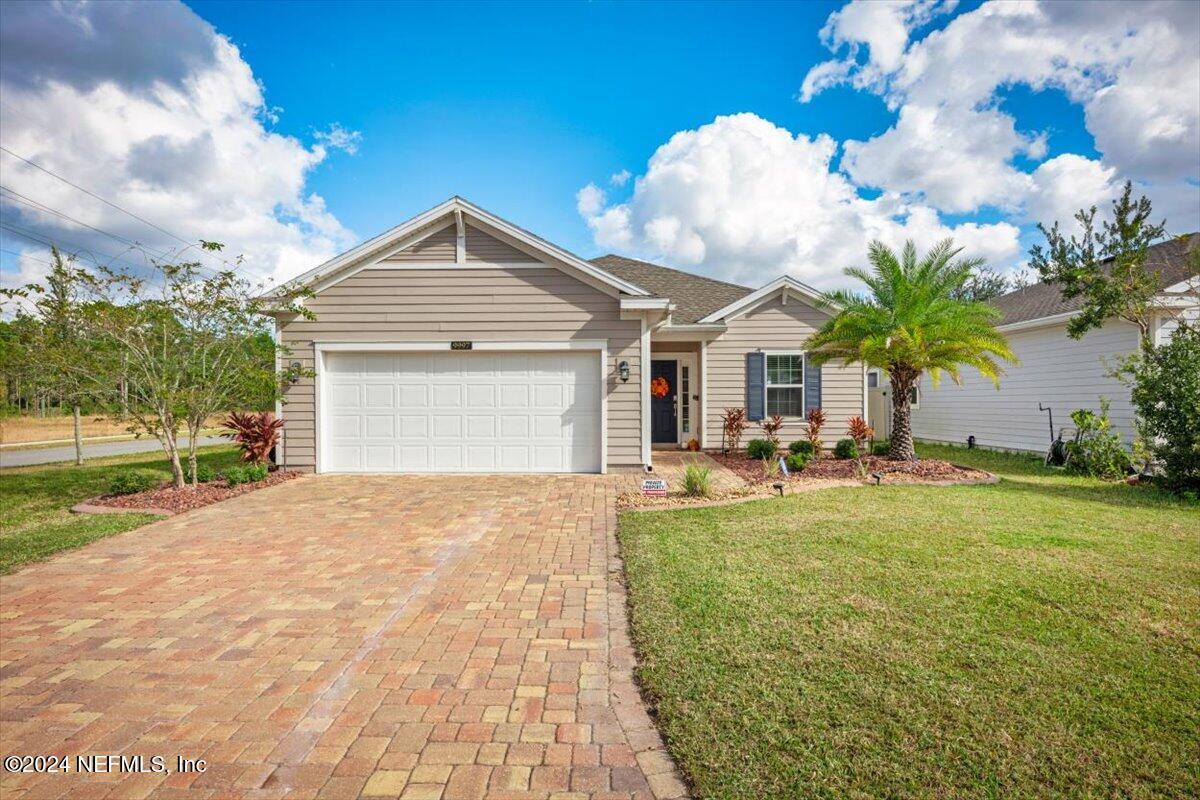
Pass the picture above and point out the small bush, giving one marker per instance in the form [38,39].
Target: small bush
[845,448]
[802,447]
[256,433]
[761,448]
[235,475]
[1097,449]
[204,474]
[697,481]
[798,461]
[133,481]
[880,448]
[256,473]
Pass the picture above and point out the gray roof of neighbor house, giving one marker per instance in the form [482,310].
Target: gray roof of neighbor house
[1169,258]
[694,296]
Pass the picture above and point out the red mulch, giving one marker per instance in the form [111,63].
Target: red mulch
[827,467]
[168,498]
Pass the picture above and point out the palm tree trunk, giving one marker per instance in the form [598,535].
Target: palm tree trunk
[901,443]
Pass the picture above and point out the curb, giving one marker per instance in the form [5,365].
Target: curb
[88,508]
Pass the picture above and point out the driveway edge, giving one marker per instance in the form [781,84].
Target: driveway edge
[665,779]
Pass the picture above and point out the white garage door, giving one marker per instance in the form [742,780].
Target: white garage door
[461,412]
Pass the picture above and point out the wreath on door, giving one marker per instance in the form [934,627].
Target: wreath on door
[659,387]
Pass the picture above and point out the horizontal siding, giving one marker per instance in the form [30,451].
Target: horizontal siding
[437,247]
[480,304]
[482,247]
[774,326]
[1055,370]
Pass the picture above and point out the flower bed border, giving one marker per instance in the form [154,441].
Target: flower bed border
[96,505]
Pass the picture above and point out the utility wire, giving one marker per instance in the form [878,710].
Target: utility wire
[111,204]
[29,201]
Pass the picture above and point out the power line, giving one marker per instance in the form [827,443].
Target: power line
[29,201]
[25,255]
[110,203]
[74,248]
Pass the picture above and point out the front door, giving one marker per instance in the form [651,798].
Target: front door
[662,409]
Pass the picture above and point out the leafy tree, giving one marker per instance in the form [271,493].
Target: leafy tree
[189,345]
[56,355]
[985,284]
[1106,267]
[910,322]
[1166,395]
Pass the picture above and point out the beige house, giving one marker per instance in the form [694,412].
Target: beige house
[459,342]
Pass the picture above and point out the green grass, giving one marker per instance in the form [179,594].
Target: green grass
[1038,637]
[35,520]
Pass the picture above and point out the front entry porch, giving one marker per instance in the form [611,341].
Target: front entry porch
[675,395]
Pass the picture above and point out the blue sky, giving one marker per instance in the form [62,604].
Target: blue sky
[516,106]
[760,138]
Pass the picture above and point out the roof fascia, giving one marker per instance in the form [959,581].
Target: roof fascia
[784,283]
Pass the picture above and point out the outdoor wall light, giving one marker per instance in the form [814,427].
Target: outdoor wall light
[623,370]
[295,370]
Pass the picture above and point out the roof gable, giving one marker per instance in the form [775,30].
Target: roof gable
[784,285]
[693,296]
[407,235]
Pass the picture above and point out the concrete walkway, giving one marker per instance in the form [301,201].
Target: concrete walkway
[340,636]
[58,453]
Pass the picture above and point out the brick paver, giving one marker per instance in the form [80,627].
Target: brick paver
[400,636]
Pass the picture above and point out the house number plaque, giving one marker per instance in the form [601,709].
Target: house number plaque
[460,345]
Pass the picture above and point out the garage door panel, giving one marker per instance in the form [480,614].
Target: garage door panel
[462,412]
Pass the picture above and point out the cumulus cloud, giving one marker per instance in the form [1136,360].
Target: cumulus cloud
[744,200]
[149,107]
[1134,68]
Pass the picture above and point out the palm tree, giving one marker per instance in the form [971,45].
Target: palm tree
[912,320]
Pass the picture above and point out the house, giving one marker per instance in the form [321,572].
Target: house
[459,342]
[1056,372]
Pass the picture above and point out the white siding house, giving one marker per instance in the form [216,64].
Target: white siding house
[1055,370]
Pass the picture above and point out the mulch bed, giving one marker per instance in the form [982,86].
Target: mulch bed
[175,501]
[828,468]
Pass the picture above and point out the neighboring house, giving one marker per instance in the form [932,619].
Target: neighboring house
[1055,370]
[458,342]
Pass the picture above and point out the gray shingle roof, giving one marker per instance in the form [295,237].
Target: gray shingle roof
[694,296]
[1043,300]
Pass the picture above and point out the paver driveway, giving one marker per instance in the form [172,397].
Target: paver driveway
[337,636]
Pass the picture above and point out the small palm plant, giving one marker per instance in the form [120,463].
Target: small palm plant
[910,322]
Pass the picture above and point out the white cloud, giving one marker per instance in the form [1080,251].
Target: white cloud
[179,141]
[744,200]
[1064,185]
[1133,67]
[620,178]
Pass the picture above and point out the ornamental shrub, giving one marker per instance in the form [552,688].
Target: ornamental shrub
[880,448]
[797,461]
[235,475]
[802,447]
[845,448]
[204,474]
[761,449]
[1166,396]
[132,481]
[1097,449]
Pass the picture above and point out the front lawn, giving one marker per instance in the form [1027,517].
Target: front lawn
[1038,637]
[35,521]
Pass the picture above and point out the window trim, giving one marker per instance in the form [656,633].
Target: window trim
[767,385]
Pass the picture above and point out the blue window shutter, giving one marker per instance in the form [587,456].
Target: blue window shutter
[812,385]
[756,401]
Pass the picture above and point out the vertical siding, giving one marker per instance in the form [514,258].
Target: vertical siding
[774,326]
[478,304]
[1055,369]
[438,247]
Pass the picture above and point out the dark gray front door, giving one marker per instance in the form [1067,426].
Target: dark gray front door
[662,409]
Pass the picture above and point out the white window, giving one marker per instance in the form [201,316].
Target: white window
[685,389]
[785,384]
